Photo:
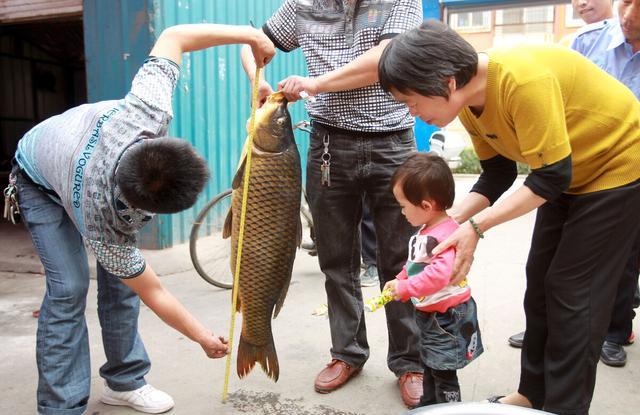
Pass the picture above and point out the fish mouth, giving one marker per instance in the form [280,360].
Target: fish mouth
[278,98]
[274,102]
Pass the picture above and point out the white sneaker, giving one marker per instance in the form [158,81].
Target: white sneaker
[145,399]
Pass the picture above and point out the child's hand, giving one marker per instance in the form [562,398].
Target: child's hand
[391,287]
[215,346]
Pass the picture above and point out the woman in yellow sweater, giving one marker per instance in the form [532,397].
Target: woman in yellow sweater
[579,130]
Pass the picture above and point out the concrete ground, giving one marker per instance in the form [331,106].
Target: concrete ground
[302,339]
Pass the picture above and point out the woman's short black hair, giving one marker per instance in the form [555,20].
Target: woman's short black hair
[162,175]
[425,176]
[423,59]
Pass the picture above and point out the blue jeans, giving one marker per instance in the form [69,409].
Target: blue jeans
[361,164]
[62,348]
[450,340]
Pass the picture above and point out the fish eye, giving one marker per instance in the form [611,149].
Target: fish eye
[281,121]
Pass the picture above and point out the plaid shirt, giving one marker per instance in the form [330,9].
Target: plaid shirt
[333,33]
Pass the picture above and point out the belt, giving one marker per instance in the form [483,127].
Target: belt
[338,130]
[18,170]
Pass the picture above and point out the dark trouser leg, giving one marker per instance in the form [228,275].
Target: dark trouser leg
[336,211]
[428,389]
[383,155]
[568,307]
[118,309]
[447,386]
[623,314]
[367,235]
[547,232]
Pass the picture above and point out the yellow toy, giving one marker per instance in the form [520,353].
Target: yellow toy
[377,302]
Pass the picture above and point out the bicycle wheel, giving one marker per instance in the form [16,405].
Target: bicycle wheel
[210,253]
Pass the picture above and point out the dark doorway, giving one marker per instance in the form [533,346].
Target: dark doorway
[42,73]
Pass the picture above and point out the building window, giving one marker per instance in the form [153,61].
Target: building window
[479,21]
[524,15]
[524,25]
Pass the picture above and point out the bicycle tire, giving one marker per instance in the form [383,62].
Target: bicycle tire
[198,260]
[219,251]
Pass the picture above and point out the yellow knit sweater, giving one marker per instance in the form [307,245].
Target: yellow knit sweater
[545,102]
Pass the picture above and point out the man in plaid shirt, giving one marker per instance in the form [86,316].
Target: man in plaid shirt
[360,135]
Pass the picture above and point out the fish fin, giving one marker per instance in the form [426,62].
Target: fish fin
[237,179]
[238,303]
[249,354]
[227,229]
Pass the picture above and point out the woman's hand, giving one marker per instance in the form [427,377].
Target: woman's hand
[465,240]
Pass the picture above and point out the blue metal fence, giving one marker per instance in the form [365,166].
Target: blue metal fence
[212,101]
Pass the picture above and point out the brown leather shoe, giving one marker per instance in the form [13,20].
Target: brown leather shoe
[410,388]
[336,374]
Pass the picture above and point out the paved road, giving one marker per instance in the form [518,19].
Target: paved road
[302,340]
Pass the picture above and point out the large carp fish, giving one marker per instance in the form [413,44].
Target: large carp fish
[272,232]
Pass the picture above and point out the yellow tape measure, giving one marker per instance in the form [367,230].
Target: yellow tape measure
[245,191]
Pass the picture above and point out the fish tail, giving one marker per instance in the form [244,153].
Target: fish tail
[249,354]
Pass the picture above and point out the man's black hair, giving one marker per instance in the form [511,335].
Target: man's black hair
[423,59]
[162,175]
[425,176]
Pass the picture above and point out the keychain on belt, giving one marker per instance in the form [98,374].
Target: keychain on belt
[325,167]
[11,206]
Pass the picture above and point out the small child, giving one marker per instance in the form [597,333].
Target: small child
[446,315]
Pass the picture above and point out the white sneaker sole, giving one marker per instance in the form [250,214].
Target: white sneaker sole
[117,402]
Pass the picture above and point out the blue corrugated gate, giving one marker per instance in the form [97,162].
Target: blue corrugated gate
[212,101]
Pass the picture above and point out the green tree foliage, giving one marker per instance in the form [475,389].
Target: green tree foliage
[470,164]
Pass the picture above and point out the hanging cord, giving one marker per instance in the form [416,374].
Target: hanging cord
[245,191]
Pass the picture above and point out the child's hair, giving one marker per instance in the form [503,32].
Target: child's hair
[425,176]
[423,59]
[162,175]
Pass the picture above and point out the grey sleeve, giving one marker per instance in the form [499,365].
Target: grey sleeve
[155,83]
[122,261]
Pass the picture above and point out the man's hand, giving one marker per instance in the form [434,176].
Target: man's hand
[391,286]
[293,85]
[214,347]
[264,90]
[465,239]
[262,48]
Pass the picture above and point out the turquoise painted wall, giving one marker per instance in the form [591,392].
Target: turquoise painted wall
[212,100]
[214,96]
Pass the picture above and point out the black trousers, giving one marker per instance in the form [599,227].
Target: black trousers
[439,386]
[361,164]
[622,317]
[579,248]
[367,235]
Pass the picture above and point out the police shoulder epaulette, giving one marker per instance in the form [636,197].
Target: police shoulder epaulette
[592,27]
